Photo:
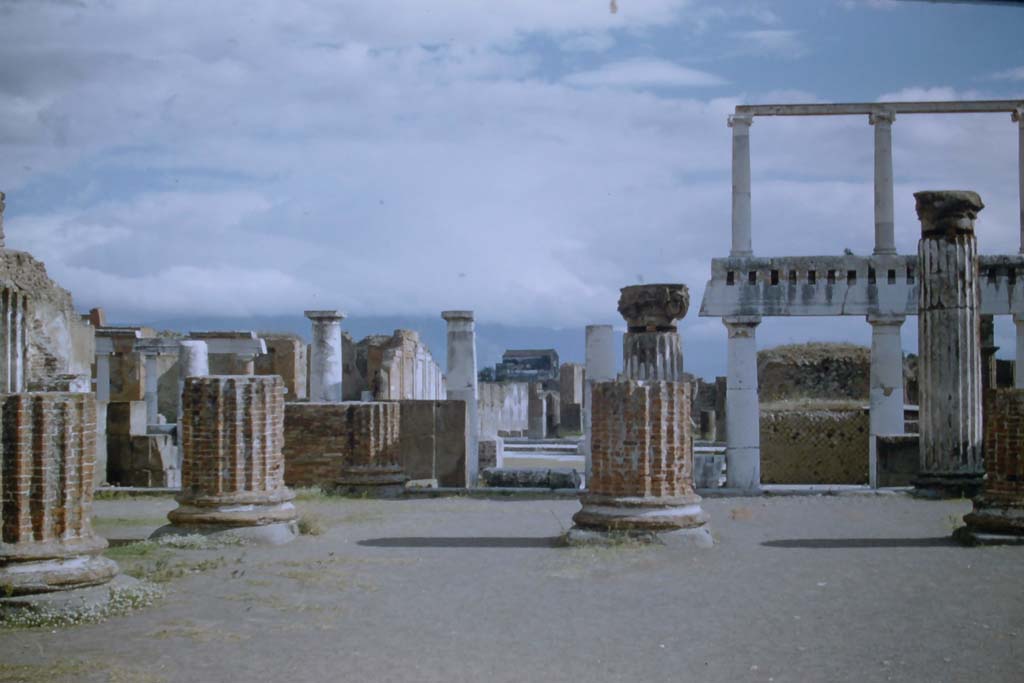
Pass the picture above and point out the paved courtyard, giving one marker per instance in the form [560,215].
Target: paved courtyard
[814,588]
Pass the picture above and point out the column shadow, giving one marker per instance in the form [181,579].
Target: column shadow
[847,543]
[462,542]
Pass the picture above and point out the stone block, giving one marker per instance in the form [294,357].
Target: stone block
[572,419]
[899,458]
[528,477]
[492,452]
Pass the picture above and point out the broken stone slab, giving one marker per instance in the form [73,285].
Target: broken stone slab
[531,477]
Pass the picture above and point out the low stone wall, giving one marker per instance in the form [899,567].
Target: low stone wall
[814,443]
[433,441]
[898,459]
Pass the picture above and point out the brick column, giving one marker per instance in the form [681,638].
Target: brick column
[374,463]
[998,515]
[46,480]
[233,470]
[651,348]
[949,303]
[642,480]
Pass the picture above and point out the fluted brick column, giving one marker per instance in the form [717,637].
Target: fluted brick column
[233,468]
[998,514]
[651,348]
[949,370]
[642,480]
[374,463]
[46,479]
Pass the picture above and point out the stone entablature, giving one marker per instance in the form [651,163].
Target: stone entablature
[845,285]
[47,457]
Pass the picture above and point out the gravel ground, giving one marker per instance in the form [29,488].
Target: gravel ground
[814,588]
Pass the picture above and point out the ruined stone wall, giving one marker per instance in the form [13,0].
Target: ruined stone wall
[1004,445]
[232,437]
[323,440]
[503,408]
[285,357]
[48,452]
[814,443]
[814,370]
[433,441]
[50,339]
[394,368]
[641,445]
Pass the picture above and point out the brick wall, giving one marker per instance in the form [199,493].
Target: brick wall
[46,475]
[1004,445]
[324,440]
[641,442]
[808,445]
[232,435]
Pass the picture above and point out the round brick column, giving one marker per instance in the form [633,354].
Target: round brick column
[373,463]
[232,464]
[46,479]
[642,479]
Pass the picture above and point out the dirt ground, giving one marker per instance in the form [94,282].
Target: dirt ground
[819,588]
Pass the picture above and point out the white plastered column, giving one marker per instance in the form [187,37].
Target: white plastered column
[886,386]
[462,382]
[325,357]
[742,244]
[885,234]
[742,412]
[600,367]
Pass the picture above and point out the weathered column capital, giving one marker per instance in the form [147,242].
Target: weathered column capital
[325,316]
[741,120]
[457,315]
[654,308]
[1017,115]
[885,319]
[885,118]
[945,213]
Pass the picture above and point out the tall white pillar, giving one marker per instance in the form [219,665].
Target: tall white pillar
[462,380]
[741,213]
[325,362]
[1018,365]
[152,386]
[886,385]
[1018,116]
[742,408]
[885,234]
[193,361]
[600,367]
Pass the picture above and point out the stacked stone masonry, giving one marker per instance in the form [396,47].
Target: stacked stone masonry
[46,477]
[814,444]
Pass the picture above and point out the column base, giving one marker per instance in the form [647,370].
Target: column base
[372,483]
[276,533]
[943,486]
[697,537]
[639,515]
[36,577]
[232,512]
[89,599]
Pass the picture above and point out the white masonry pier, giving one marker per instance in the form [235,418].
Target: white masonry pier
[462,382]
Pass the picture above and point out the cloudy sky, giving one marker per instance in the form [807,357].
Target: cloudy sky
[521,158]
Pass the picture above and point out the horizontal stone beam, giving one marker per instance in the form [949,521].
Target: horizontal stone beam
[853,108]
[844,285]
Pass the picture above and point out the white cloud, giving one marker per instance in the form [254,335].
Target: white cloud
[643,73]
[775,42]
[1015,74]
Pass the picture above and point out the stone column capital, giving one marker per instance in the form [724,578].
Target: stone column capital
[1017,115]
[886,319]
[947,212]
[466,316]
[881,117]
[654,308]
[324,316]
[740,120]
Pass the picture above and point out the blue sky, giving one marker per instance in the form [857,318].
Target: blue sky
[523,159]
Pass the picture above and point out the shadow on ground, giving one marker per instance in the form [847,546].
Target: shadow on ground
[462,542]
[841,543]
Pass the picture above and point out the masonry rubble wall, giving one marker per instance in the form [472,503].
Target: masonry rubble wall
[814,442]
